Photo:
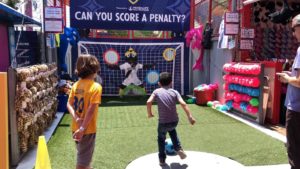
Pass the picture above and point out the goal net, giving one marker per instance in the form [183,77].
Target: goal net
[149,60]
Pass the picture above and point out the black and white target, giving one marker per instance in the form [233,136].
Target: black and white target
[111,57]
[152,77]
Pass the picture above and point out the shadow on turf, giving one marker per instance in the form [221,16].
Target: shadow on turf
[175,166]
[125,101]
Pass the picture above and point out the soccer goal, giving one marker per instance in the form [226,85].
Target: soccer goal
[139,63]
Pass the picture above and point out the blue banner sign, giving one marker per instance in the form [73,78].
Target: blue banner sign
[172,15]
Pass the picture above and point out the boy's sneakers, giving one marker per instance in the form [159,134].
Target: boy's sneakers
[181,154]
[162,162]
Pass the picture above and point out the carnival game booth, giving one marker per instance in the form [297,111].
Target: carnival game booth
[275,45]
[29,87]
[254,32]
[130,64]
[8,18]
[271,43]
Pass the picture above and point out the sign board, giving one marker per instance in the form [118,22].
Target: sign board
[246,44]
[247,33]
[231,29]
[232,17]
[27,52]
[53,13]
[55,26]
[37,10]
[173,15]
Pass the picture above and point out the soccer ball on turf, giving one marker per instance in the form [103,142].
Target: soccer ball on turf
[169,148]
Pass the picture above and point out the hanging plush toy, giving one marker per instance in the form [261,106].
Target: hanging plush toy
[194,40]
[282,16]
[68,39]
[131,68]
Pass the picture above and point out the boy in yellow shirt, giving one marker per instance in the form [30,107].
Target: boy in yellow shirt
[84,98]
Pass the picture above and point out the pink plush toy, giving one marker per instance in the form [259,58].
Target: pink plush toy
[252,69]
[252,109]
[237,97]
[242,80]
[194,39]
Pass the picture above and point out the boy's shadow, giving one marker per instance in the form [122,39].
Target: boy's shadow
[175,166]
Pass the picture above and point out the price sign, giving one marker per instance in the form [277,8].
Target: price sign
[247,33]
[232,17]
[53,13]
[231,29]
[54,26]
[246,44]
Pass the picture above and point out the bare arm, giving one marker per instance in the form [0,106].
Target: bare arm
[89,115]
[286,78]
[187,111]
[149,106]
[71,110]
[73,114]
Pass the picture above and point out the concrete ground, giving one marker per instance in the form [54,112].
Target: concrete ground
[194,160]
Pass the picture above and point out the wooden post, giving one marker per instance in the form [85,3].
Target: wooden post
[192,15]
[4,159]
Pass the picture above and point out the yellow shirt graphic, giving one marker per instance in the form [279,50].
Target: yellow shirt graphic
[83,93]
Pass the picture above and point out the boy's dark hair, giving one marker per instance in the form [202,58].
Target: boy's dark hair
[165,78]
[86,65]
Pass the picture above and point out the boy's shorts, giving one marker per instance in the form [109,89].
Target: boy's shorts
[85,150]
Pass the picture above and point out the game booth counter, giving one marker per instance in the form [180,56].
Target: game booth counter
[251,34]
[28,89]
[9,17]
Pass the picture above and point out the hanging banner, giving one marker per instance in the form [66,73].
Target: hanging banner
[173,15]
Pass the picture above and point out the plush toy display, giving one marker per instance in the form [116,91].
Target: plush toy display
[35,102]
[242,80]
[242,92]
[255,92]
[242,68]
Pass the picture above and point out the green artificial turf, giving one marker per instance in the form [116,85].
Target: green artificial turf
[125,133]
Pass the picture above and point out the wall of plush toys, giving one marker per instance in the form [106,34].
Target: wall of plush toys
[242,87]
[35,102]
[273,35]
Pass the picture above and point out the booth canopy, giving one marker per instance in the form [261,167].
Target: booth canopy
[11,16]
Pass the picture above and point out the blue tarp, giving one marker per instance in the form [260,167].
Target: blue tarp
[11,16]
